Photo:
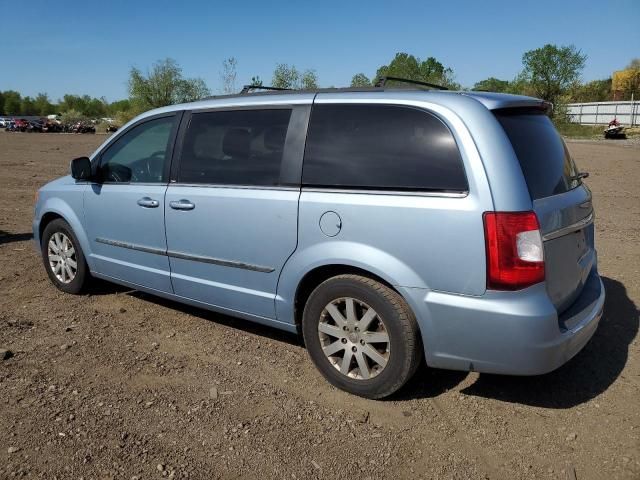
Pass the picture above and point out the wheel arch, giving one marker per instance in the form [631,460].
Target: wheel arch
[324,259]
[319,274]
[46,219]
[56,208]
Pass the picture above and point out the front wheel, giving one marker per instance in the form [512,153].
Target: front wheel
[63,257]
[361,335]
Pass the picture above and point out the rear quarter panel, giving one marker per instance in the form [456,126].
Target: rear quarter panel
[424,241]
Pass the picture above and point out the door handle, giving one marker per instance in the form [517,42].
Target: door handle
[182,205]
[148,202]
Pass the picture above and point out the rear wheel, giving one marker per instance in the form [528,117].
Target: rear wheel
[361,335]
[63,257]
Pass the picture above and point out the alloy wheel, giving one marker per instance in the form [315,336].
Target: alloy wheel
[354,338]
[62,257]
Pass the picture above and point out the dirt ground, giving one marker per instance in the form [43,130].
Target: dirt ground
[118,384]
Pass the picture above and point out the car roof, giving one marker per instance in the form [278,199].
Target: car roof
[447,98]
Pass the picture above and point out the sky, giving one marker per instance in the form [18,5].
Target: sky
[89,47]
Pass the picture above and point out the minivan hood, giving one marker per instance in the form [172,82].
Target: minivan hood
[66,180]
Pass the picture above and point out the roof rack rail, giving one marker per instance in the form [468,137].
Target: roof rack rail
[381,82]
[248,88]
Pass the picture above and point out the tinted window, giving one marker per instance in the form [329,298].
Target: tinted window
[546,164]
[234,147]
[139,155]
[383,147]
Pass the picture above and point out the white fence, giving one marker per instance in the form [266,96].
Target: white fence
[598,113]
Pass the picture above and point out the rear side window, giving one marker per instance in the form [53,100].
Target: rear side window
[240,147]
[545,161]
[381,147]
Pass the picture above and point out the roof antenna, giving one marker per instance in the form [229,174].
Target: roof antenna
[381,82]
[248,88]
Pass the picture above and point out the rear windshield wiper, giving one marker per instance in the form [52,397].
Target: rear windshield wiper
[580,176]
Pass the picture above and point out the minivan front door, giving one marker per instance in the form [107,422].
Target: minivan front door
[231,218]
[124,208]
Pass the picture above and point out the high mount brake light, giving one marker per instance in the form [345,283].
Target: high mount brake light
[515,254]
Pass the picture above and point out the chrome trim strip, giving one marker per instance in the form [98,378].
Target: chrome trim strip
[186,256]
[219,261]
[405,193]
[569,228]
[131,246]
[238,187]
[127,184]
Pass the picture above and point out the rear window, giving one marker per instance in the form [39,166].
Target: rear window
[381,147]
[545,161]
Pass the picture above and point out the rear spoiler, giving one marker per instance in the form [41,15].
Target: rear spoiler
[503,101]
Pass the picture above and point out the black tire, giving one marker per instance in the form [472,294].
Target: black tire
[81,278]
[404,346]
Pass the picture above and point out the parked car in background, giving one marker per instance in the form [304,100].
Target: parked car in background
[5,122]
[52,126]
[385,225]
[20,125]
[83,127]
[35,126]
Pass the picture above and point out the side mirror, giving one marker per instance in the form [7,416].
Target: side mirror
[81,168]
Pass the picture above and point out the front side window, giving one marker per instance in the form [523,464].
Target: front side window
[139,155]
[240,147]
[381,147]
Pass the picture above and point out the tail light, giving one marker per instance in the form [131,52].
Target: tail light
[515,255]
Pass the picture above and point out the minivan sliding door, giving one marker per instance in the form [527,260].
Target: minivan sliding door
[231,213]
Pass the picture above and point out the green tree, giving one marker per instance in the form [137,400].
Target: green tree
[96,108]
[551,70]
[594,91]
[42,105]
[27,106]
[360,80]
[256,81]
[12,102]
[74,102]
[73,116]
[118,106]
[520,86]
[164,85]
[407,66]
[631,83]
[492,84]
[309,80]
[88,106]
[193,89]
[285,76]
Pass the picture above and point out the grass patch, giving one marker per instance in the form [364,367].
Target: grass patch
[575,130]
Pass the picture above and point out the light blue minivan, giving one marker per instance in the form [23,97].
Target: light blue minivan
[384,224]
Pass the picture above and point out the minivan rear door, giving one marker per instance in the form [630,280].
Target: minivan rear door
[560,199]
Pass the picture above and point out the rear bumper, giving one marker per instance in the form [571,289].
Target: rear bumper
[515,333]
